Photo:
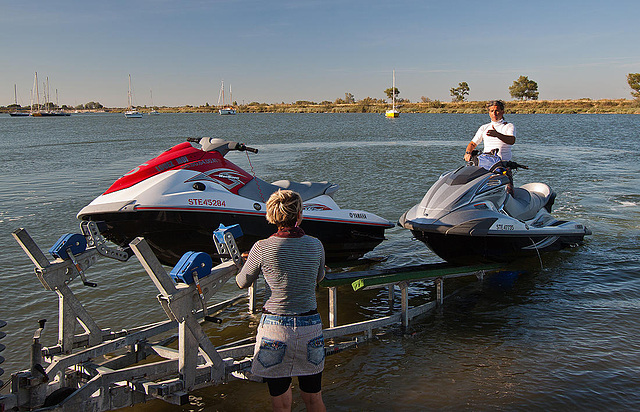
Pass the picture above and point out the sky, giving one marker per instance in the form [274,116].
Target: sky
[272,51]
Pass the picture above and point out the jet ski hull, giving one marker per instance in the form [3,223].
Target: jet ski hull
[461,249]
[173,233]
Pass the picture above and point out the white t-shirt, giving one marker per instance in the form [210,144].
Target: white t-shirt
[491,143]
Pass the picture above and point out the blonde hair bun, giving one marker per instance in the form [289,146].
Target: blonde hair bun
[283,208]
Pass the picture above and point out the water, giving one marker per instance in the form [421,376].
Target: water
[562,336]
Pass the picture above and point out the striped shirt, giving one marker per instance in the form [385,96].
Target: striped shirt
[291,268]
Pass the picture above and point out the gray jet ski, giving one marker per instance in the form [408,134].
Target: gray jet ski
[467,216]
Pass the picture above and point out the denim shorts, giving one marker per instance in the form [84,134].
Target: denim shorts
[288,346]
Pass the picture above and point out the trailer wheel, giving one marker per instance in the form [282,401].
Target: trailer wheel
[58,396]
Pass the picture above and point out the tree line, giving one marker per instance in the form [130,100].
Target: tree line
[522,88]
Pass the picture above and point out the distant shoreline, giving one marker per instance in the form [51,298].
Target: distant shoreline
[587,106]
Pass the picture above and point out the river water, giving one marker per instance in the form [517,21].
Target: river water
[562,336]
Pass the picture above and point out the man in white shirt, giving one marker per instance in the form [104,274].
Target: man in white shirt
[499,134]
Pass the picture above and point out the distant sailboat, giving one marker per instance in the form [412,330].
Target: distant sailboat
[36,93]
[153,110]
[17,113]
[58,112]
[131,113]
[393,112]
[47,112]
[225,109]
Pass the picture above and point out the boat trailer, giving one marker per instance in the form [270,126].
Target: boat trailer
[101,370]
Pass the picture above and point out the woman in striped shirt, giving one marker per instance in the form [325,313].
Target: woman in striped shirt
[289,341]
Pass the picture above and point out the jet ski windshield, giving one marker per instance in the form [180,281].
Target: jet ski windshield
[465,175]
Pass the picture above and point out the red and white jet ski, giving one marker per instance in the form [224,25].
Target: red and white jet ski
[177,199]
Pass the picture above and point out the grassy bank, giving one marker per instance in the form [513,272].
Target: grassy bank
[621,106]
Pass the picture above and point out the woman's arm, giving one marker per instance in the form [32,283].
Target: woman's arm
[321,269]
[251,268]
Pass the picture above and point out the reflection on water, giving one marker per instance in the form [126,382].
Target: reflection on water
[559,336]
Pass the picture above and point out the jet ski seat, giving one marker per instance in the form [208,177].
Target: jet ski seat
[260,190]
[308,190]
[527,200]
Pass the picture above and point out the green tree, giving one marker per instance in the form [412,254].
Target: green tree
[391,91]
[349,99]
[524,89]
[458,93]
[634,82]
[93,106]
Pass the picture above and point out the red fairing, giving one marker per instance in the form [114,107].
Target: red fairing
[185,156]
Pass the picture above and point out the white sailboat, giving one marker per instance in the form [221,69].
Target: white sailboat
[153,110]
[16,112]
[228,109]
[131,113]
[393,112]
[36,93]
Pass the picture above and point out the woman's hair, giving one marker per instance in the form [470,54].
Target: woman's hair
[498,103]
[283,208]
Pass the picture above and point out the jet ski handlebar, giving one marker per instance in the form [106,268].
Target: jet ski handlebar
[500,164]
[242,147]
[514,165]
[208,144]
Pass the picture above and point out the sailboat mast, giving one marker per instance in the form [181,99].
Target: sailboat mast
[221,95]
[129,94]
[393,89]
[37,93]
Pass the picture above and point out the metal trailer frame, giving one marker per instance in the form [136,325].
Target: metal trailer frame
[101,370]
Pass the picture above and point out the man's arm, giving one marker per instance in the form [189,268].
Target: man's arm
[467,153]
[508,139]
